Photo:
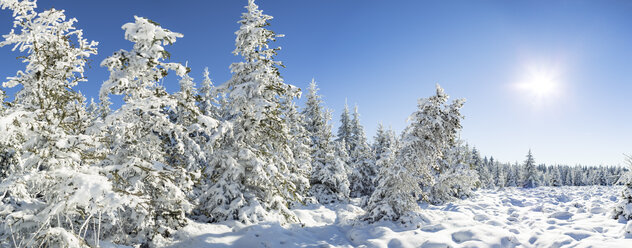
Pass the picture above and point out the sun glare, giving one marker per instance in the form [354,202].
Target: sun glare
[540,84]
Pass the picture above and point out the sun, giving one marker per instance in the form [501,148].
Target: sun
[540,84]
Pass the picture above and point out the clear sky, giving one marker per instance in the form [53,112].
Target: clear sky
[551,76]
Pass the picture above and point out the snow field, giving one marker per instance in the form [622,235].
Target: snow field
[510,217]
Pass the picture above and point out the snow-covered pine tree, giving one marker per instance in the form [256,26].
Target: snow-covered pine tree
[340,149]
[301,169]
[193,139]
[531,178]
[345,130]
[363,165]
[252,174]
[385,145]
[380,202]
[207,99]
[329,181]
[148,161]
[555,178]
[383,138]
[578,176]
[433,127]
[512,177]
[500,174]
[481,168]
[600,177]
[623,209]
[50,192]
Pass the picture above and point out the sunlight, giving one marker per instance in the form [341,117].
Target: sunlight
[541,84]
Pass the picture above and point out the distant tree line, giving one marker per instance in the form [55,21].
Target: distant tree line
[527,174]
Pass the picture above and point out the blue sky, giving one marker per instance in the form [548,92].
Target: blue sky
[384,55]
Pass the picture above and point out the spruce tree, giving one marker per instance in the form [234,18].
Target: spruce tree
[207,99]
[345,131]
[362,163]
[252,169]
[329,181]
[301,168]
[433,127]
[49,184]
[150,160]
[531,179]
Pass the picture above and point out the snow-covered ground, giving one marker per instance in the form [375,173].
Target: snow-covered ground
[512,217]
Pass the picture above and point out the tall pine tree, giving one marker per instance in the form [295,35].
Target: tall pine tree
[252,169]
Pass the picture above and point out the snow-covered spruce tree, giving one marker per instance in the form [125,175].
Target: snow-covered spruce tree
[345,130]
[579,177]
[512,177]
[481,168]
[252,173]
[207,99]
[51,195]
[152,156]
[433,127]
[555,178]
[456,177]
[212,101]
[499,174]
[623,209]
[192,140]
[340,153]
[300,143]
[531,178]
[385,146]
[328,180]
[362,162]
[383,138]
[487,179]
